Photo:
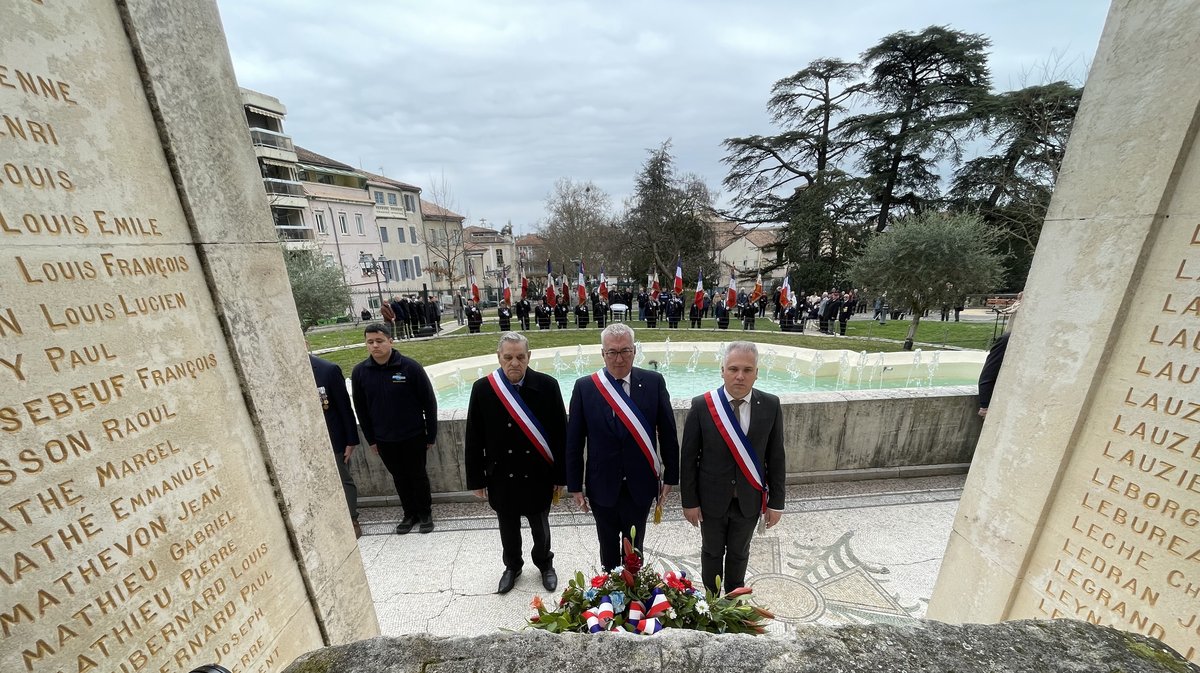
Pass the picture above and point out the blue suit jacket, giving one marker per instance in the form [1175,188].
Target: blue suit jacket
[339,417]
[612,454]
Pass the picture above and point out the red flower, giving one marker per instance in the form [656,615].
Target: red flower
[533,618]
[676,582]
[740,591]
[632,561]
[536,603]
[628,577]
[598,581]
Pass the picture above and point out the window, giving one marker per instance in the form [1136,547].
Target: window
[319,216]
[410,203]
[389,270]
[358,224]
[345,228]
[329,260]
[406,269]
[499,259]
[413,234]
[417,265]
[433,238]
[383,234]
[379,197]
[399,234]
[391,199]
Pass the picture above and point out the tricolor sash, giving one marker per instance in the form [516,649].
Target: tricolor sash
[631,417]
[731,431]
[520,412]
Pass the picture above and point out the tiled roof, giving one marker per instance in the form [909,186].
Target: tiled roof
[762,238]
[435,211]
[309,157]
[531,240]
[388,182]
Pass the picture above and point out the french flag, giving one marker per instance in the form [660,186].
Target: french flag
[566,288]
[655,285]
[524,286]
[507,290]
[678,275]
[785,292]
[474,286]
[581,289]
[550,298]
[699,299]
[603,285]
[731,293]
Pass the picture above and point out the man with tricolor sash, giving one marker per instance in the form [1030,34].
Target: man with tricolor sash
[732,467]
[622,416]
[515,436]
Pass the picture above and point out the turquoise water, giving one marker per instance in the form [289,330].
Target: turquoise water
[684,384]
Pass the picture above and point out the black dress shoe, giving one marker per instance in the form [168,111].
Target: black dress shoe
[507,580]
[427,523]
[549,579]
[405,526]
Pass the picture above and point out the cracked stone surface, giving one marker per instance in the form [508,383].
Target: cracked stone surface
[850,553]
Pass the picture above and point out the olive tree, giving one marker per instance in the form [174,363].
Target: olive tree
[928,260]
[318,287]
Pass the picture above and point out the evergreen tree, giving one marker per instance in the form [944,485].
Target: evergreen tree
[318,288]
[667,217]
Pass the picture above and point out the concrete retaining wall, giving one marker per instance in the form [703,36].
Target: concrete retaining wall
[829,436]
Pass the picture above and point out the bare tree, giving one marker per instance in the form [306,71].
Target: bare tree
[580,225]
[442,234]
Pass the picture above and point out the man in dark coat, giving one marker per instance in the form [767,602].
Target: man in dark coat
[695,313]
[721,313]
[523,308]
[504,316]
[848,308]
[581,315]
[747,312]
[624,477]
[561,313]
[991,371]
[518,474]
[543,314]
[343,430]
[674,311]
[433,314]
[601,313]
[717,494]
[474,318]
[652,310]
[397,412]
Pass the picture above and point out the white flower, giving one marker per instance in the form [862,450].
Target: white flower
[702,606]
[671,613]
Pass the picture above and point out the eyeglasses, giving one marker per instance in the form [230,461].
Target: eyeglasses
[613,353]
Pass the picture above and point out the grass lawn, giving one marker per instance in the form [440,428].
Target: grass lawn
[461,344]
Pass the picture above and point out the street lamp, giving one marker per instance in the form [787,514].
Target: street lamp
[373,265]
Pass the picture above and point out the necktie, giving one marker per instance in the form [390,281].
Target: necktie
[625,385]
[737,406]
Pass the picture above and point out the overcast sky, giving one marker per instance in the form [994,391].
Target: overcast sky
[503,98]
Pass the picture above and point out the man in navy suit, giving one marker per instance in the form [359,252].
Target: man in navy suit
[343,431]
[623,416]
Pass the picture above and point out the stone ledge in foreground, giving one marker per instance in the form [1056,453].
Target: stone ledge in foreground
[1059,646]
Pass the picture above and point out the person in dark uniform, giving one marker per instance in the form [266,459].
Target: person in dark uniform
[415,315]
[561,313]
[694,314]
[343,430]
[543,314]
[721,313]
[504,315]
[433,314]
[674,311]
[506,467]
[748,312]
[522,310]
[397,412]
[581,315]
[474,317]
[601,313]
[642,299]
[652,309]
[991,371]
[787,320]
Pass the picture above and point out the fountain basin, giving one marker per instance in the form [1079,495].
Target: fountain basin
[692,368]
[838,434]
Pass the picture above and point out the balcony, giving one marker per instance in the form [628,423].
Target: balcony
[273,145]
[285,193]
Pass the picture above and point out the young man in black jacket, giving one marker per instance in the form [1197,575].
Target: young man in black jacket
[397,412]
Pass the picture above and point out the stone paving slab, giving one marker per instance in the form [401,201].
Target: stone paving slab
[843,553]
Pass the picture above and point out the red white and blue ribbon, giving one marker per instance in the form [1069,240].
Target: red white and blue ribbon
[521,413]
[730,429]
[652,623]
[637,612]
[631,417]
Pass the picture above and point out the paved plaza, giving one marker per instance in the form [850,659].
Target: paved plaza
[848,552]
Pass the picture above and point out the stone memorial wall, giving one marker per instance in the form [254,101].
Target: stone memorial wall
[1083,501]
[139,522]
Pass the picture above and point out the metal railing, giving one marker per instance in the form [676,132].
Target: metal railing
[283,187]
[269,138]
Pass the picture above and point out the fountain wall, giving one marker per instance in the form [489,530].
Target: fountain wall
[845,434]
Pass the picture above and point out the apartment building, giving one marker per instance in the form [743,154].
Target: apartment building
[398,217]
[277,161]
